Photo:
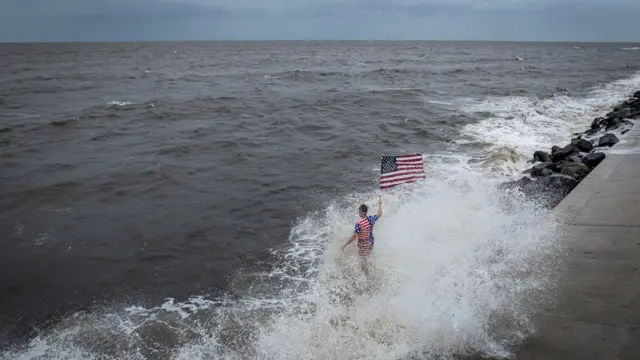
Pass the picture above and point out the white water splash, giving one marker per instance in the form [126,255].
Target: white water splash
[449,260]
[120,103]
[526,125]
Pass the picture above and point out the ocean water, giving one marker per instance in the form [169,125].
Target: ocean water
[189,200]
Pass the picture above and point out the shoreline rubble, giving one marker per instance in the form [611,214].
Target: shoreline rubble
[556,173]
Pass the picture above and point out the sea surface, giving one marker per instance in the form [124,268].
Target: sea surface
[188,200]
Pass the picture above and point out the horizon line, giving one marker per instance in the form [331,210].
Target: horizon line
[311,40]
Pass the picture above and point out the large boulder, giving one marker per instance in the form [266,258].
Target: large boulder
[546,172]
[596,123]
[542,169]
[592,132]
[549,190]
[516,184]
[583,145]
[613,124]
[560,182]
[554,149]
[619,114]
[577,171]
[541,156]
[592,160]
[576,158]
[564,153]
[608,140]
[637,95]
[557,186]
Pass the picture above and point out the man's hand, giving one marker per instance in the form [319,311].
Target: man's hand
[351,238]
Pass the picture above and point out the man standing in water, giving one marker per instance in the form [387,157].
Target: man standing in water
[364,233]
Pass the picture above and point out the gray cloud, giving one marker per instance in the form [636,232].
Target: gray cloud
[50,20]
[283,7]
[74,8]
[405,5]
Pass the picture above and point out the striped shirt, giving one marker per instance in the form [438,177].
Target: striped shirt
[364,229]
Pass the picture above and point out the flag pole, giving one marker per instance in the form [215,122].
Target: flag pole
[380,190]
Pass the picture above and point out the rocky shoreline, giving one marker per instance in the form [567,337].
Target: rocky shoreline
[555,173]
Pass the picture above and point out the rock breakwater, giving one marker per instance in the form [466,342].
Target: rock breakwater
[556,173]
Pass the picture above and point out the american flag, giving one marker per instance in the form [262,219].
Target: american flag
[396,170]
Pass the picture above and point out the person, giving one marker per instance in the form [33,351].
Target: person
[364,232]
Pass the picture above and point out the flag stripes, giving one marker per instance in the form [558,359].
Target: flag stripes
[396,170]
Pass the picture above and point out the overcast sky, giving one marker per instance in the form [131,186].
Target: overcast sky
[118,20]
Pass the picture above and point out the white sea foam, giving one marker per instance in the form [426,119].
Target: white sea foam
[438,102]
[526,125]
[120,103]
[458,268]
[20,115]
[449,261]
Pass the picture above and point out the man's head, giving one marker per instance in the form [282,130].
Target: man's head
[363,210]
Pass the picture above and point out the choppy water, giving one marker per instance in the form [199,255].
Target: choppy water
[225,176]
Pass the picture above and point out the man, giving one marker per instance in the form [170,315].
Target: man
[364,232]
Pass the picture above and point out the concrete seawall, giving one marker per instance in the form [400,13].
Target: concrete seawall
[597,314]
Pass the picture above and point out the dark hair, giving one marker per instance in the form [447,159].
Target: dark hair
[363,208]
